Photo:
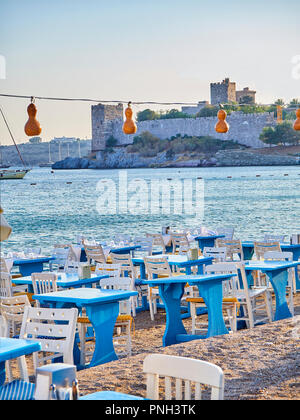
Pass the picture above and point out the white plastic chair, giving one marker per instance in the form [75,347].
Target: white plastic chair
[61,254]
[185,372]
[54,328]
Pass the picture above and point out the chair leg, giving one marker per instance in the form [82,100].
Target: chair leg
[150,304]
[23,368]
[82,338]
[267,297]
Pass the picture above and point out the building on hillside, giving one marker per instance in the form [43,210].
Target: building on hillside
[64,140]
[193,110]
[223,92]
[245,96]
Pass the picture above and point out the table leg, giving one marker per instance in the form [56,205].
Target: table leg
[279,281]
[212,295]
[171,295]
[103,319]
[248,252]
[2,373]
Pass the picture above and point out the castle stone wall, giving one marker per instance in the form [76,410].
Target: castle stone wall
[244,128]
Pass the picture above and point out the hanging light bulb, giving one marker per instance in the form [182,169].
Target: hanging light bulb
[129,126]
[297,122]
[222,125]
[32,127]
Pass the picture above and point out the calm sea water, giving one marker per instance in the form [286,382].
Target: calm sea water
[62,205]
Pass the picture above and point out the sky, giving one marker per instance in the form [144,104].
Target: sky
[138,50]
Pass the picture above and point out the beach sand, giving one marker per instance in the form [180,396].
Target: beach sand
[262,363]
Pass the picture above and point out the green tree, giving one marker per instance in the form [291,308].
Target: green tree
[208,111]
[279,102]
[147,114]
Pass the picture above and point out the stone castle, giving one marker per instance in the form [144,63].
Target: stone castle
[107,121]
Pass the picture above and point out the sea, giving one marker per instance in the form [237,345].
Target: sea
[50,207]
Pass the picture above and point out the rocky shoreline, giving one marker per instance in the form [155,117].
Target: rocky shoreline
[119,158]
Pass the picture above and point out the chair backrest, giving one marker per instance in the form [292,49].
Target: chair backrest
[118,239]
[61,254]
[119,283]
[3,266]
[274,238]
[218,254]
[94,253]
[44,282]
[157,267]
[54,328]
[111,270]
[125,263]
[185,372]
[72,266]
[157,240]
[178,240]
[36,251]
[145,245]
[233,247]
[5,285]
[260,248]
[227,232]
[230,286]
[12,310]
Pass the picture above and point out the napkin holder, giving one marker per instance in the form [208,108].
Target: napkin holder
[192,254]
[56,381]
[84,271]
[295,239]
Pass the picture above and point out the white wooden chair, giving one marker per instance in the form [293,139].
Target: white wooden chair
[291,287]
[128,270]
[234,248]
[158,243]
[61,253]
[178,240]
[55,329]
[7,289]
[94,253]
[260,248]
[3,266]
[155,267]
[44,282]
[227,232]
[256,302]
[187,374]
[12,311]
[145,246]
[218,254]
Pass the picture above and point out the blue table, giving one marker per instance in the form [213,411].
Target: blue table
[110,396]
[248,250]
[179,261]
[64,280]
[102,309]
[277,272]
[121,250]
[28,266]
[207,241]
[171,291]
[11,348]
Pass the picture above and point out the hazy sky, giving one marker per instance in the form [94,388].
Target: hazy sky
[158,50]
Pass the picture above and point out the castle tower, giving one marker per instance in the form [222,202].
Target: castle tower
[103,118]
[224,92]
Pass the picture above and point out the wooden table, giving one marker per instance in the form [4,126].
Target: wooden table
[102,309]
[64,281]
[27,266]
[12,348]
[171,291]
[248,250]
